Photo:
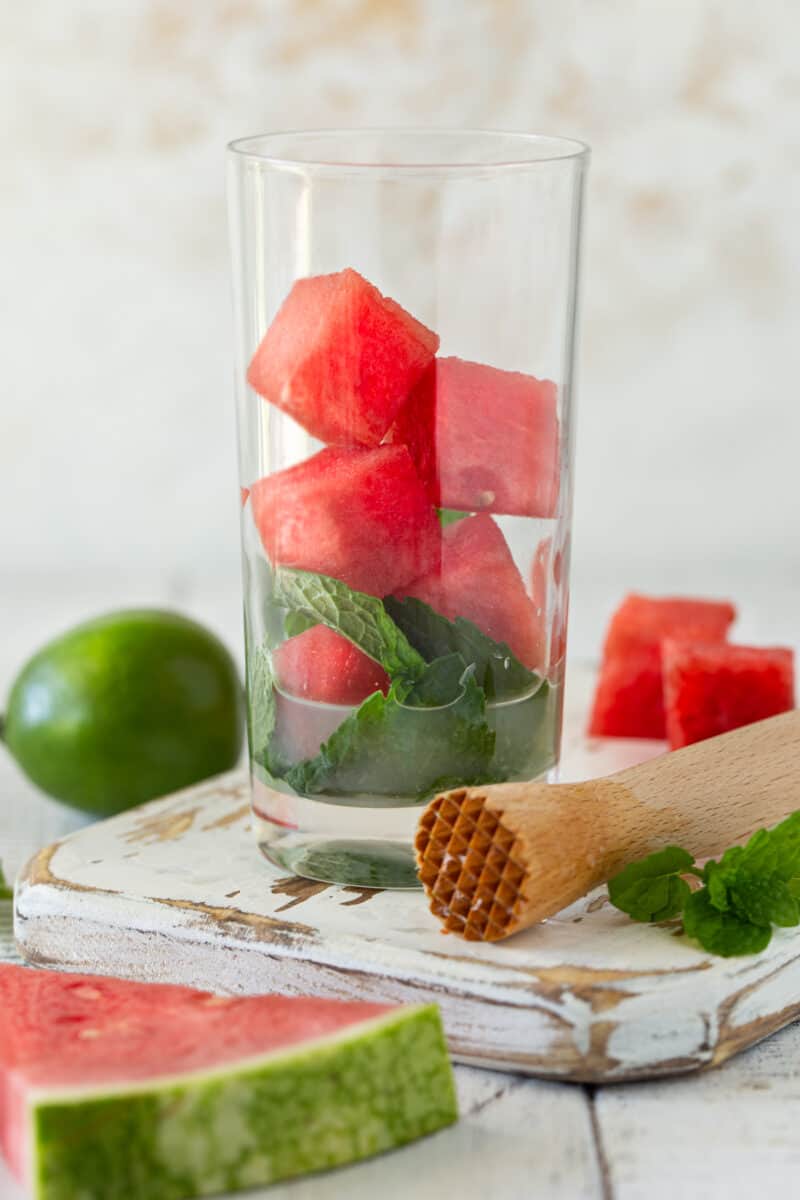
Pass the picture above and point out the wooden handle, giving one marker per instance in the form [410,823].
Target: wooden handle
[497,859]
[715,793]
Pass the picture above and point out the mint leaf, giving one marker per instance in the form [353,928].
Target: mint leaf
[750,881]
[525,729]
[497,670]
[406,743]
[786,840]
[723,933]
[6,892]
[651,889]
[362,619]
[764,900]
[261,702]
[298,622]
[449,516]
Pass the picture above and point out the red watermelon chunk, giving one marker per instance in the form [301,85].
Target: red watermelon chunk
[361,516]
[642,622]
[111,1088]
[711,688]
[478,579]
[484,439]
[629,699]
[341,358]
[320,664]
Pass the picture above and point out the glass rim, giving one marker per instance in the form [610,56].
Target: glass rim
[542,150]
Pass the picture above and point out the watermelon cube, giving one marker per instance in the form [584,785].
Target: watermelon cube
[320,664]
[358,515]
[341,358]
[710,688]
[642,622]
[629,700]
[478,579]
[118,1089]
[484,439]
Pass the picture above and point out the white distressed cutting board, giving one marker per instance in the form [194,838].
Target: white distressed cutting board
[176,891]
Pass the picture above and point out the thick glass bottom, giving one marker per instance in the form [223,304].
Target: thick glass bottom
[333,843]
[356,844]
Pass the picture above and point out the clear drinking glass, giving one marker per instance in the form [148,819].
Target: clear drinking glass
[405,307]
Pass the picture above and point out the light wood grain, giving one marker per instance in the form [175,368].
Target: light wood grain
[496,860]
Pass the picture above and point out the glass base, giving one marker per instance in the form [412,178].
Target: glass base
[354,844]
[366,863]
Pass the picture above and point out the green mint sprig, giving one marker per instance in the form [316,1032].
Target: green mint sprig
[6,892]
[743,895]
[461,707]
[497,670]
[406,743]
[362,619]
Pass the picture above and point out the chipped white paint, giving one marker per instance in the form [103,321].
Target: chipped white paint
[176,890]
[722,1135]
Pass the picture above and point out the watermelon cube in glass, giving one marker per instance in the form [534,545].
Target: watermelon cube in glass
[341,358]
[405,320]
[473,553]
[484,440]
[360,516]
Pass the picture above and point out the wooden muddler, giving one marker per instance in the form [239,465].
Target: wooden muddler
[496,859]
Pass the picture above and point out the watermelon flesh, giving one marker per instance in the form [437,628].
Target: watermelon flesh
[341,358]
[642,622]
[358,515]
[484,439]
[711,688]
[478,579]
[320,664]
[629,699]
[112,1088]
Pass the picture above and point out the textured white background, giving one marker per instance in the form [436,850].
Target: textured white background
[116,422]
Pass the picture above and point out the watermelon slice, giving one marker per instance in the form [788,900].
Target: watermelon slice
[710,688]
[243,494]
[341,358]
[629,700]
[361,516]
[484,439]
[112,1088]
[478,579]
[322,665]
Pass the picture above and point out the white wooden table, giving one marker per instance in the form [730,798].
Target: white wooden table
[716,1136]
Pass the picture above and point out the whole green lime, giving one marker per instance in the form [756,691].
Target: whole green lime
[124,708]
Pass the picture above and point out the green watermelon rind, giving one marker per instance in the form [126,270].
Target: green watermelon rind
[378,1085]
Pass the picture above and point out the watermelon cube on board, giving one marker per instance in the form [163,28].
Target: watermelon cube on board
[358,515]
[484,439]
[642,622]
[341,358]
[321,665]
[478,579]
[113,1089]
[629,699]
[711,688]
